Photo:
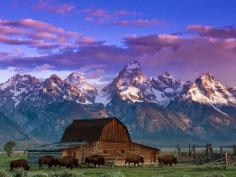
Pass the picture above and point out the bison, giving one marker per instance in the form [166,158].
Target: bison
[167,160]
[95,160]
[135,159]
[21,163]
[68,162]
[48,160]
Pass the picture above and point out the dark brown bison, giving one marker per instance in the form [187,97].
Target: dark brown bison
[95,160]
[135,159]
[68,162]
[47,160]
[21,163]
[167,160]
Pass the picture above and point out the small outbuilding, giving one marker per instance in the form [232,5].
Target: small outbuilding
[107,137]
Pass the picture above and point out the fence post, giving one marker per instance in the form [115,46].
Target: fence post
[234,149]
[221,152]
[226,159]
[189,150]
[194,152]
[178,152]
[211,151]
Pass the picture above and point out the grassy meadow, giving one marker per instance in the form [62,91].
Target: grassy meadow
[180,170]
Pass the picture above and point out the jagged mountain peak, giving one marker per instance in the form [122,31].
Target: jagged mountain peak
[133,65]
[79,81]
[54,77]
[165,81]
[18,79]
[53,81]
[76,75]
[131,74]
[206,89]
[21,77]
[206,78]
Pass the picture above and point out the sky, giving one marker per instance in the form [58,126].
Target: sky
[98,37]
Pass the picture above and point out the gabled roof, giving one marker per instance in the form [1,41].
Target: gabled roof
[85,130]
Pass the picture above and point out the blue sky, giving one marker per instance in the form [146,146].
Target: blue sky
[185,38]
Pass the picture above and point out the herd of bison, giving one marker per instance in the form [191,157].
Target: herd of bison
[71,162]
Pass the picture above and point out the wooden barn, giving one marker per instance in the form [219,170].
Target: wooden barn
[107,137]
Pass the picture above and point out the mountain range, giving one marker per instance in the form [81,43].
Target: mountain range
[157,110]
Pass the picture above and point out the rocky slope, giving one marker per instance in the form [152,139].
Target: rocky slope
[10,131]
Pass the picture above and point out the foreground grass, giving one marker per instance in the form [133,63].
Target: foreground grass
[5,160]
[180,170]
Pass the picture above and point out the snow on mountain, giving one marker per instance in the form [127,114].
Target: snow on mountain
[133,86]
[206,89]
[102,97]
[168,85]
[19,88]
[78,81]
[25,88]
[56,88]
[129,85]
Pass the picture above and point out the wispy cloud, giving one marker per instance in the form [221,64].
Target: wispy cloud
[139,22]
[215,32]
[40,35]
[157,53]
[119,18]
[54,7]
[102,13]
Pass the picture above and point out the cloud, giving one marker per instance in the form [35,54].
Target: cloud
[40,35]
[138,22]
[54,7]
[123,18]
[209,31]
[184,56]
[102,13]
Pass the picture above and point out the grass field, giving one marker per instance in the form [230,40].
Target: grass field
[180,170]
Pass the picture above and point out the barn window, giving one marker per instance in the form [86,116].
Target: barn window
[122,151]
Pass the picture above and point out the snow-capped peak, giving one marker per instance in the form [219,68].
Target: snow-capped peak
[78,80]
[129,83]
[166,81]
[206,89]
[133,65]
[132,85]
[19,87]
[20,80]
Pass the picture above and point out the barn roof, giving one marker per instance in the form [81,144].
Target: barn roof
[56,147]
[85,129]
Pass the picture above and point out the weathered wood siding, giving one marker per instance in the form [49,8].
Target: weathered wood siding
[113,152]
[115,132]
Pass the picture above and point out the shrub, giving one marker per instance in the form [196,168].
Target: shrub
[114,174]
[39,174]
[3,174]
[67,173]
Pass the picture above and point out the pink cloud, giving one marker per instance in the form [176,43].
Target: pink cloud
[40,35]
[209,31]
[53,7]
[103,16]
[184,56]
[138,22]
[96,13]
